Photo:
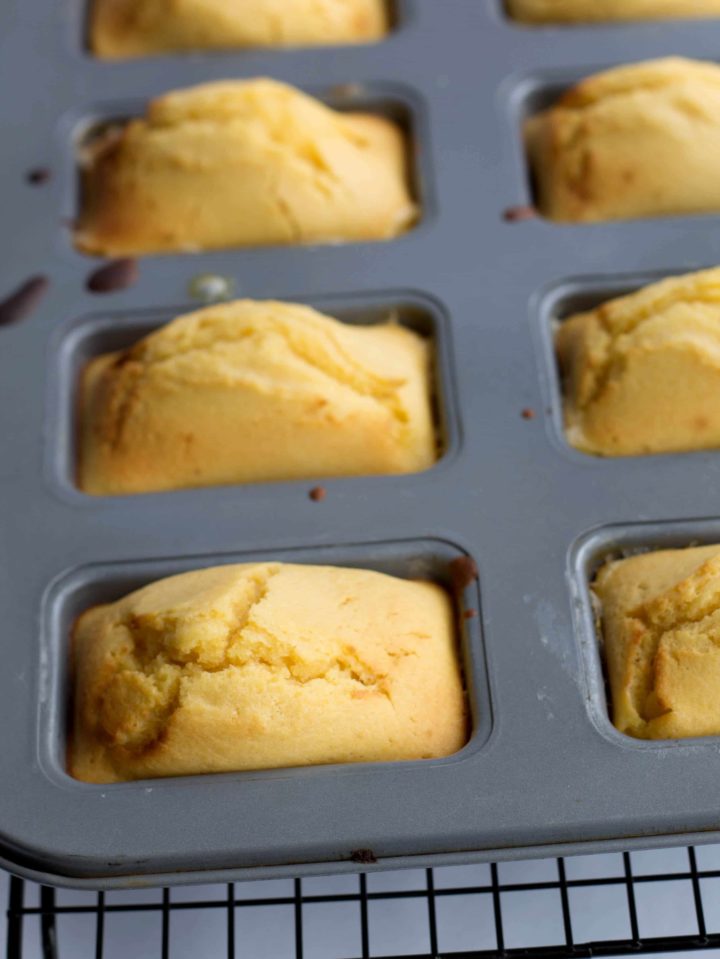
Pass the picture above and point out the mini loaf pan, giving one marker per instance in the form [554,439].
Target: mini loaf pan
[544,771]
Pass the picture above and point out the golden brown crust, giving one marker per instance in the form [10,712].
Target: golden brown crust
[254,392]
[642,372]
[265,665]
[661,631]
[586,11]
[635,141]
[132,28]
[242,163]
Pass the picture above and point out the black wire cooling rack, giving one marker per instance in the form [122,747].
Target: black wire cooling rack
[693,882]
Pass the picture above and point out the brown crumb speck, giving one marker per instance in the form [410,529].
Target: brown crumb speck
[528,414]
[470,614]
[38,176]
[516,214]
[463,572]
[23,300]
[364,856]
[112,276]
[318,494]
[346,91]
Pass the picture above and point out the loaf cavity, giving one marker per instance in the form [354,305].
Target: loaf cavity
[588,11]
[635,141]
[264,665]
[642,372]
[255,392]
[660,615]
[242,163]
[136,28]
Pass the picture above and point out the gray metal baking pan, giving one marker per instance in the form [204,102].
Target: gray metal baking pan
[544,772]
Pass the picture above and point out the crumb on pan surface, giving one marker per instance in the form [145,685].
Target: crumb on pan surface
[660,616]
[634,141]
[242,163]
[255,391]
[642,372]
[133,28]
[263,665]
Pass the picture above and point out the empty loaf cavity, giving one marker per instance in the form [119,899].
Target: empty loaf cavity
[635,141]
[660,617]
[132,28]
[265,665]
[242,163]
[586,11]
[642,372]
[256,391]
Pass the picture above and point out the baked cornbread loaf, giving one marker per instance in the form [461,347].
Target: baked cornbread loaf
[661,629]
[265,665]
[585,11]
[132,28]
[242,163]
[256,391]
[642,372]
[636,141]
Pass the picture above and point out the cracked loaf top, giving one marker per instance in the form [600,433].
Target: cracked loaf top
[265,665]
[252,392]
[131,28]
[635,141]
[580,11]
[242,163]
[660,617]
[642,372]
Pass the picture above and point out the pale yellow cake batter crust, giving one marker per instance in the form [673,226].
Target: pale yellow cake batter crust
[588,11]
[265,665]
[636,141]
[642,372]
[661,632]
[135,28]
[254,392]
[242,163]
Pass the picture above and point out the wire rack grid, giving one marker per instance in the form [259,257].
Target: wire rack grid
[665,901]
